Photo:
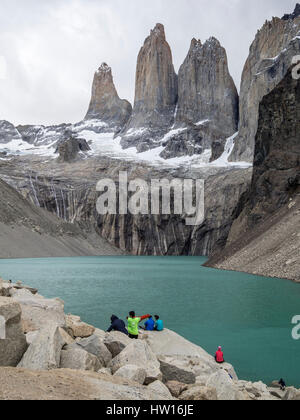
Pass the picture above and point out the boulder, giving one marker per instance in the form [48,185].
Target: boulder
[194,358]
[44,352]
[100,333]
[38,311]
[199,393]
[176,388]
[116,342]
[74,357]
[292,394]
[65,336]
[133,373]
[95,346]
[160,389]
[5,289]
[225,387]
[12,340]
[138,353]
[176,370]
[77,328]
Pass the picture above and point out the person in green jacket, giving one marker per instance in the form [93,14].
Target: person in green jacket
[133,324]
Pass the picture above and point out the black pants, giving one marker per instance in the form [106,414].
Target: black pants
[134,337]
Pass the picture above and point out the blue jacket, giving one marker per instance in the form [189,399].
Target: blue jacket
[149,324]
[117,325]
[159,325]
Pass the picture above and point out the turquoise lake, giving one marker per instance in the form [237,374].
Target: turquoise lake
[249,316]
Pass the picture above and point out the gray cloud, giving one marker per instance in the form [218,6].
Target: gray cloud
[49,49]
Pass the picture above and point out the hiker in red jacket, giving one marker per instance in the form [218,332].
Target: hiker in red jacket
[219,356]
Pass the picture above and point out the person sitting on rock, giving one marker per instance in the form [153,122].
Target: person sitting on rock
[159,325]
[117,325]
[219,357]
[282,385]
[133,324]
[150,324]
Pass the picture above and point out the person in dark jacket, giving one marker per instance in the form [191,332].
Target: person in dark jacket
[117,325]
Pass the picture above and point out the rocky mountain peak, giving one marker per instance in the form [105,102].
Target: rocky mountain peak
[158,31]
[212,42]
[196,44]
[270,56]
[104,69]
[206,91]
[156,91]
[293,15]
[105,103]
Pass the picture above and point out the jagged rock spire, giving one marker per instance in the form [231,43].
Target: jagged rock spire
[206,90]
[156,87]
[105,103]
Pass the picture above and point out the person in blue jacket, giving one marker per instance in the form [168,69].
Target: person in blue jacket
[149,324]
[117,325]
[159,325]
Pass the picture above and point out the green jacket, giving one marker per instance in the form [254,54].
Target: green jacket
[133,325]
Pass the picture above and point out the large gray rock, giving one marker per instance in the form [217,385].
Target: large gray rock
[70,148]
[77,328]
[161,389]
[38,311]
[199,393]
[176,370]
[138,353]
[44,351]
[95,346]
[155,92]
[74,357]
[225,387]
[176,388]
[12,341]
[133,373]
[184,356]
[292,394]
[105,104]
[116,341]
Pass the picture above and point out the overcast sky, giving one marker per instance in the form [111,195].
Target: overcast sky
[49,49]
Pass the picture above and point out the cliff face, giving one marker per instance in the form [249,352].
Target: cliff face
[155,91]
[28,231]
[206,91]
[265,236]
[207,109]
[105,104]
[69,192]
[268,62]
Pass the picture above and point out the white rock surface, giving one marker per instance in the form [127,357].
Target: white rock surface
[95,346]
[138,353]
[133,373]
[77,328]
[74,357]
[44,352]
[12,339]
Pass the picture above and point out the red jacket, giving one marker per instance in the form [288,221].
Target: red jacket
[219,356]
